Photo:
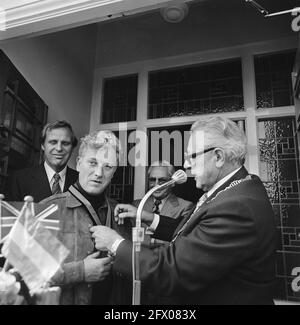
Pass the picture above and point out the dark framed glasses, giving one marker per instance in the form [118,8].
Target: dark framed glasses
[196,154]
[160,181]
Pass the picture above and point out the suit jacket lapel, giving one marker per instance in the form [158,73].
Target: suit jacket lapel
[70,179]
[170,206]
[41,183]
[242,173]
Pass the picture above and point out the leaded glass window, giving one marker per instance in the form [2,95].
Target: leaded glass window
[200,89]
[279,170]
[119,99]
[122,184]
[273,79]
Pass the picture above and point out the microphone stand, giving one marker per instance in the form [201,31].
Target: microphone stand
[137,238]
[138,235]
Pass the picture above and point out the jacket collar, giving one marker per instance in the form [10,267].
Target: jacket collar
[171,205]
[240,174]
[75,199]
[72,201]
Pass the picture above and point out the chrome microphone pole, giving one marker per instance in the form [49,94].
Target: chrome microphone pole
[138,235]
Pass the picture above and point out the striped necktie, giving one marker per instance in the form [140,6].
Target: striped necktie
[56,187]
[156,206]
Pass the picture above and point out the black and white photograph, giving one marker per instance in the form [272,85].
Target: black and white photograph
[150,155]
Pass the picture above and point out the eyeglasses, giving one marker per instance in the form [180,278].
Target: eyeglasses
[196,154]
[160,181]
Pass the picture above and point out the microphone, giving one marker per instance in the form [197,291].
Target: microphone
[179,177]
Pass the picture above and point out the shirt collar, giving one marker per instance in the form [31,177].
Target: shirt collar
[222,181]
[50,172]
[162,200]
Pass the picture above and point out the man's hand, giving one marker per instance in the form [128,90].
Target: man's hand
[123,211]
[96,269]
[104,237]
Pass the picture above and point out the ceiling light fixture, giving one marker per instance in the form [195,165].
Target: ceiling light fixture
[175,11]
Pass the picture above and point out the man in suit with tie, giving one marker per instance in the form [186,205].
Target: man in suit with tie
[164,201]
[224,253]
[53,176]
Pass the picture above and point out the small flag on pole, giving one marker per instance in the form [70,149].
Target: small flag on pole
[8,216]
[33,249]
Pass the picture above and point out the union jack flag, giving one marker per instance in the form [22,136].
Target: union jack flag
[10,211]
[29,243]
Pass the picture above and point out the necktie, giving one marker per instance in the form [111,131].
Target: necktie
[55,187]
[202,199]
[156,206]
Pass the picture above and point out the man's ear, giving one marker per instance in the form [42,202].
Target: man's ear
[220,157]
[42,147]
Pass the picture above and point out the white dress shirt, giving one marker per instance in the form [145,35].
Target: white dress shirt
[50,173]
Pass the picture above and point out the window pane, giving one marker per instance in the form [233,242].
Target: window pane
[273,79]
[201,89]
[122,184]
[169,143]
[279,170]
[8,104]
[119,99]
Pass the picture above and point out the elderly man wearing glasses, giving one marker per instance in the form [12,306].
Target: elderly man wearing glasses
[224,253]
[164,201]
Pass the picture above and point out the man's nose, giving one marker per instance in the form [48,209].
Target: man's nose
[187,164]
[58,146]
[98,171]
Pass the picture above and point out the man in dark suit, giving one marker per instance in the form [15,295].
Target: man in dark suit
[224,253]
[53,176]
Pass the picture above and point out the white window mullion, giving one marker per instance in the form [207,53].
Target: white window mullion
[142,109]
[250,108]
[96,106]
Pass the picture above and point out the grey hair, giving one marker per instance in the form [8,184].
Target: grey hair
[224,133]
[162,163]
[99,139]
